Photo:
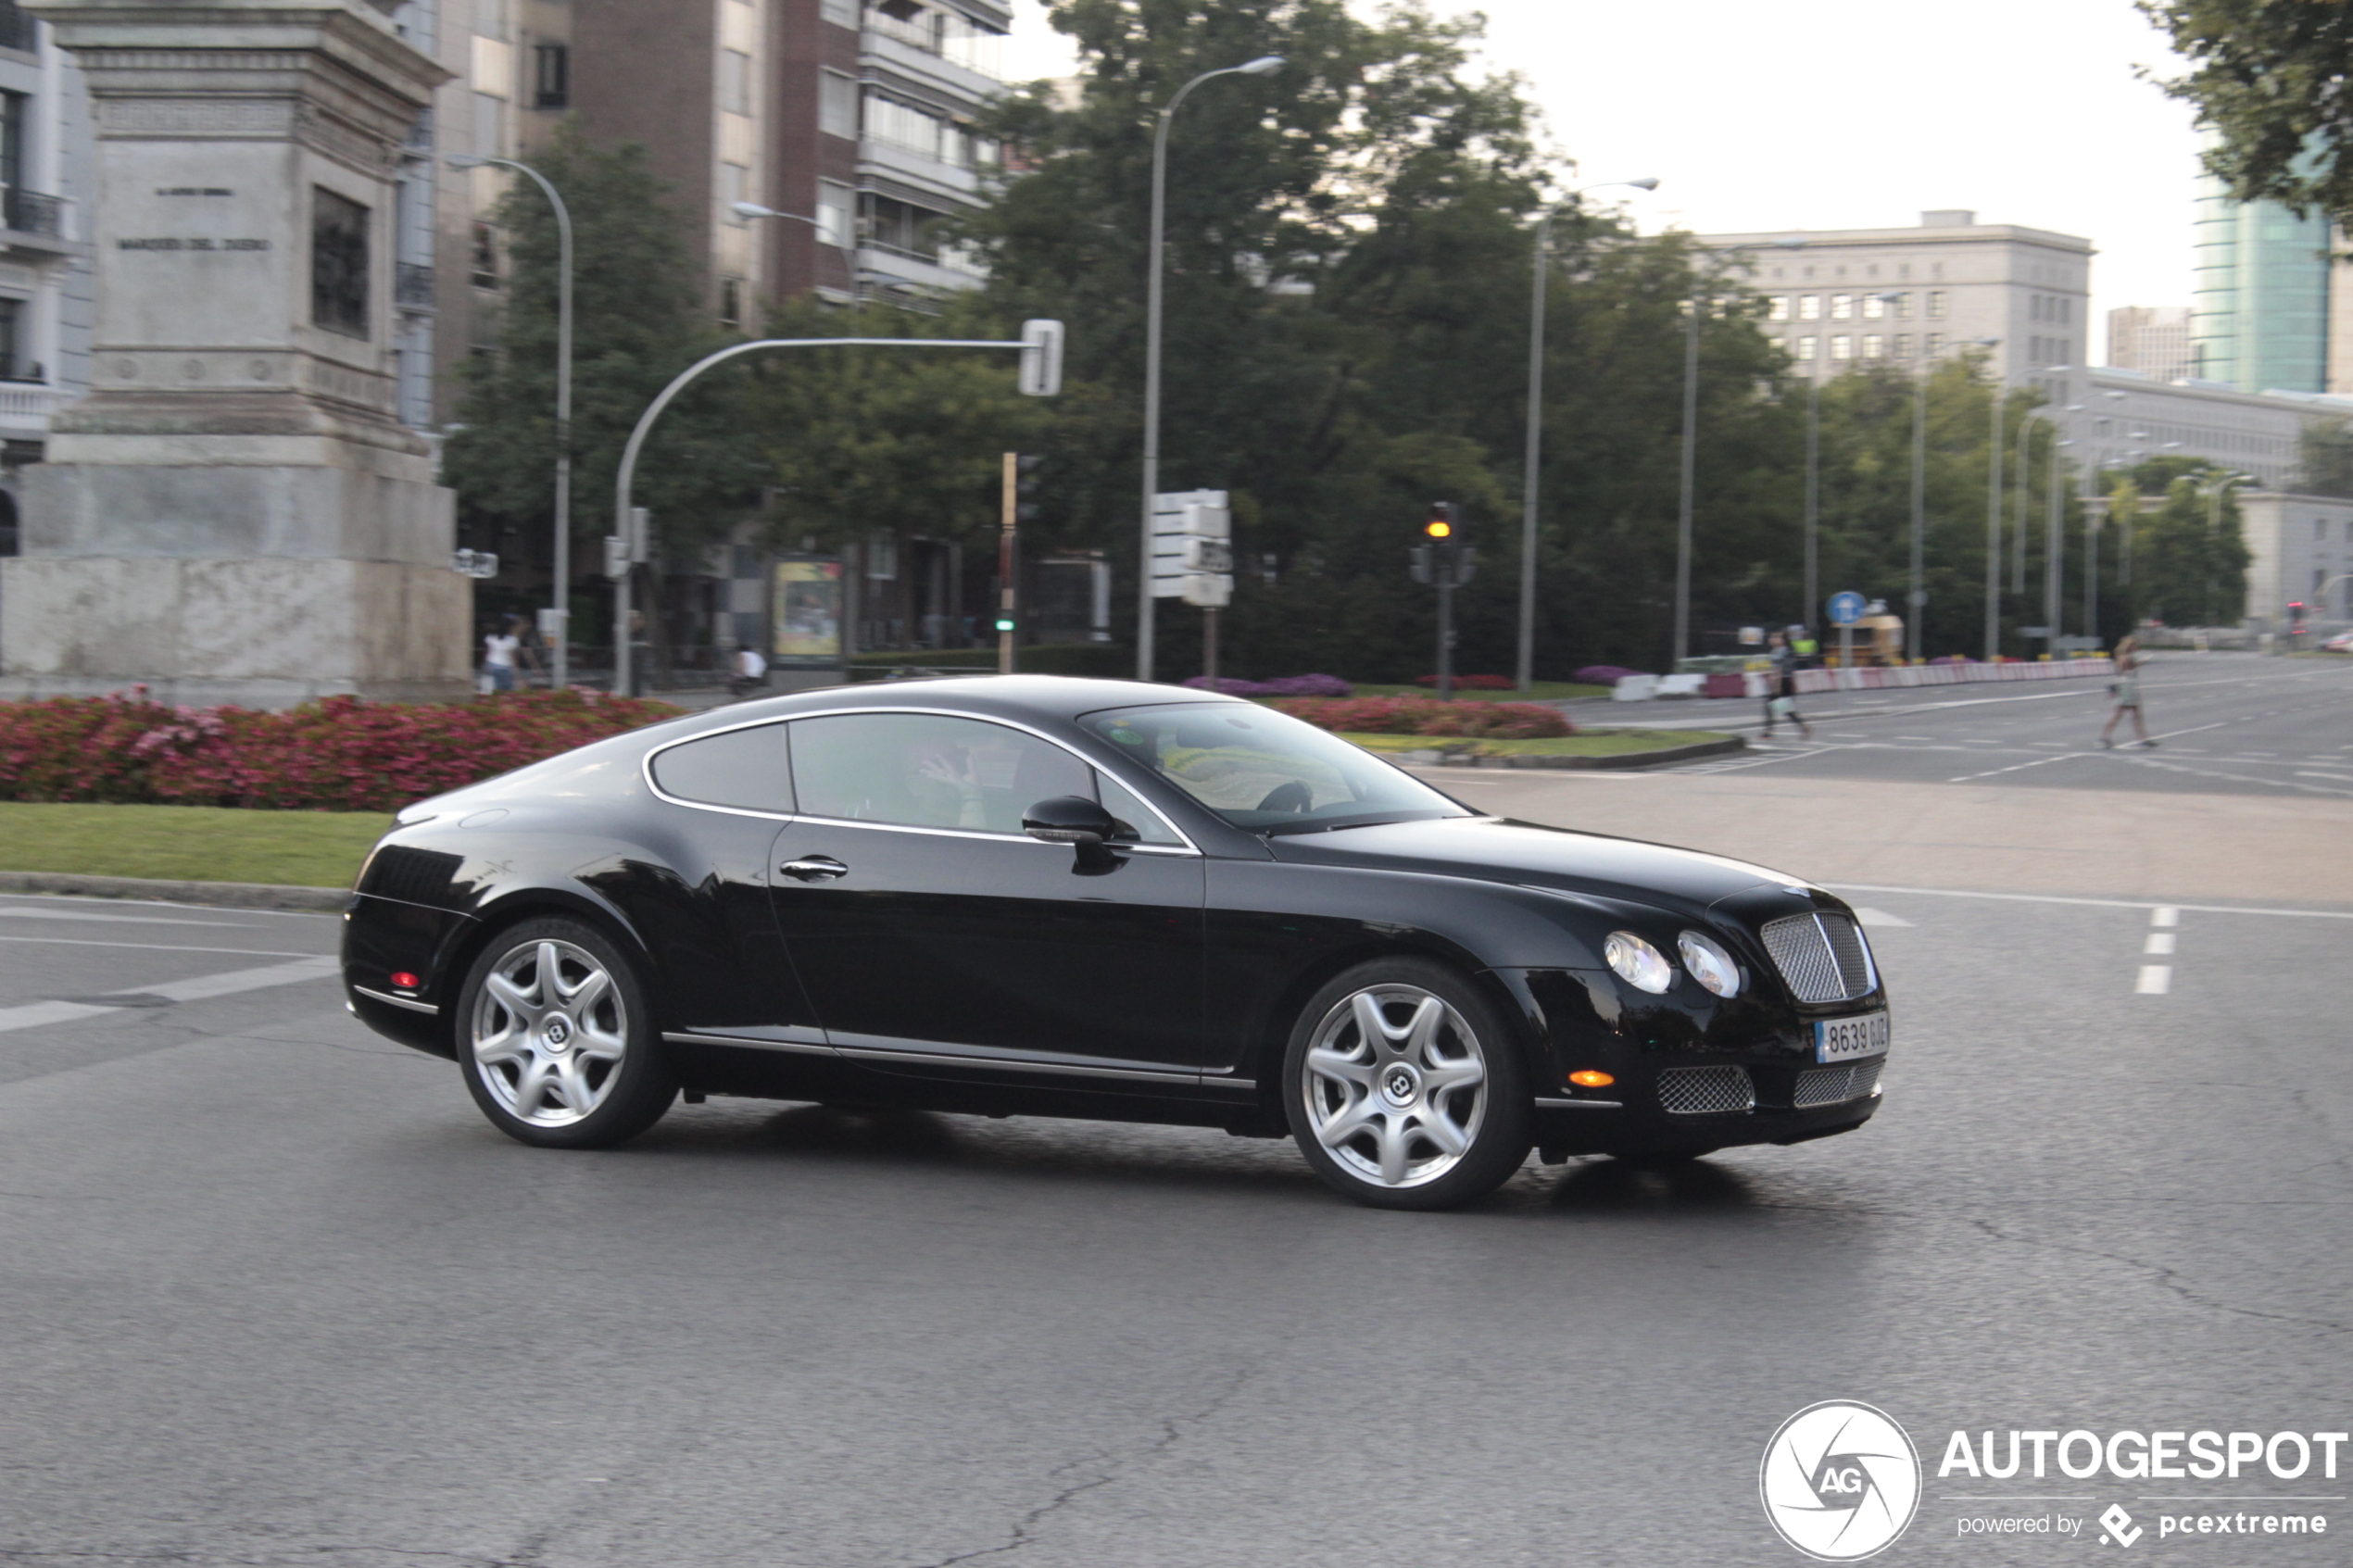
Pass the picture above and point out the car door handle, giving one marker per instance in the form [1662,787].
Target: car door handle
[814,868]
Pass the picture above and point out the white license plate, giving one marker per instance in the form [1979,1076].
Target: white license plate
[1844,1039]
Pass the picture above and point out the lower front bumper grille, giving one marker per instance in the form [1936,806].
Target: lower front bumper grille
[1834,1085]
[1700,1091]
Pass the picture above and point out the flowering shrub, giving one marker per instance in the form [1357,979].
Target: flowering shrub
[1284,685]
[1473,683]
[339,755]
[1602,674]
[1426,716]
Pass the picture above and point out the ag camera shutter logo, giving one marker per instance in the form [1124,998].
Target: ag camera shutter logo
[1841,1481]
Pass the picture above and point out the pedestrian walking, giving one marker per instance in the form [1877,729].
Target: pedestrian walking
[1781,687]
[2126,690]
[500,651]
[751,672]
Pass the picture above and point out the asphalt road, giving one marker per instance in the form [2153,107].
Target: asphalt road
[2224,723]
[272,1293]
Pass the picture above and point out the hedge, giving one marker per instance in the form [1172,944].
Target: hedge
[1427,716]
[339,755]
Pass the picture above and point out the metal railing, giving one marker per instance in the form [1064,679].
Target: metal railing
[30,212]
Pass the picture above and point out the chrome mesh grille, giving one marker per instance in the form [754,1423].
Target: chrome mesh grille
[1697,1091]
[1822,956]
[1835,1085]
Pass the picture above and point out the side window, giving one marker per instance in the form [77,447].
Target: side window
[1122,803]
[745,768]
[926,769]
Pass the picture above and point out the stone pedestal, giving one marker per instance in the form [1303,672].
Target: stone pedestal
[233,513]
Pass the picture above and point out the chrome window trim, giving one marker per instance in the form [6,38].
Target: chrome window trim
[429,1009]
[990,837]
[1184,844]
[794,1047]
[1545,1104]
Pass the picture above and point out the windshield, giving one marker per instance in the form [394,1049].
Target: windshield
[1266,771]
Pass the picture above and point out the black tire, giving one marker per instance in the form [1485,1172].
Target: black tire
[586,1072]
[1373,1118]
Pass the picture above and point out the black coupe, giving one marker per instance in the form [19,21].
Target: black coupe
[1027,896]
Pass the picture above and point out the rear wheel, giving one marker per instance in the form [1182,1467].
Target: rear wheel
[1405,1091]
[557,1038]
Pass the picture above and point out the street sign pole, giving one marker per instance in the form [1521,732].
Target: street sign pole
[1846,610]
[1010,525]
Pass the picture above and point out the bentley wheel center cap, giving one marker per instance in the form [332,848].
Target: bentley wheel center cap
[557,1032]
[1401,1086]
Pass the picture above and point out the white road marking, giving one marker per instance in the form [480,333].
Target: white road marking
[22,913]
[2160,910]
[1879,917]
[2155,980]
[2160,944]
[196,990]
[206,986]
[48,1013]
[2308,773]
[151,947]
[2165,915]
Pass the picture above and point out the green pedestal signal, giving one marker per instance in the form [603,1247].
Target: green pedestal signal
[1021,487]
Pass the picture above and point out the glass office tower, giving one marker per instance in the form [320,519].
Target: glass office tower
[2259,317]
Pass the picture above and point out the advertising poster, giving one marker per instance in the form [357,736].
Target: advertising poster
[808,612]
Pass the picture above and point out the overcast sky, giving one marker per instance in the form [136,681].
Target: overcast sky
[1836,114]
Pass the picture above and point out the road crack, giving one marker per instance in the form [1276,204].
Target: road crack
[1112,1467]
[2163,1276]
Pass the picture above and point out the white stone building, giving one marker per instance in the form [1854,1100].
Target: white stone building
[2302,550]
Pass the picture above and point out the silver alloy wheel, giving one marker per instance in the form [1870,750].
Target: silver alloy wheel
[549,1033]
[1396,1085]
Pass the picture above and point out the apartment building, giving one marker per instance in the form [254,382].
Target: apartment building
[47,152]
[1841,299]
[2152,339]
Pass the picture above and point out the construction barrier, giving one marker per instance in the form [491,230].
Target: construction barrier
[1873,678]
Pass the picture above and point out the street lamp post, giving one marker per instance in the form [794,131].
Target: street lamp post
[1813,498]
[1687,468]
[1264,66]
[559,661]
[846,245]
[1527,667]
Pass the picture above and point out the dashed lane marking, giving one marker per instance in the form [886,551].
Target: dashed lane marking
[202,988]
[2160,944]
[2165,914]
[2155,980]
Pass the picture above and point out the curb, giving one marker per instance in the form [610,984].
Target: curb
[221,894]
[1624,760]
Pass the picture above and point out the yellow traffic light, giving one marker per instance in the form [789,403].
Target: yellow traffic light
[1438,528]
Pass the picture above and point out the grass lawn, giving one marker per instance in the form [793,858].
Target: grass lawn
[1588,743]
[1543,691]
[189,843]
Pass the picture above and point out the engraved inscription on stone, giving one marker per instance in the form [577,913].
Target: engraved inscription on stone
[198,244]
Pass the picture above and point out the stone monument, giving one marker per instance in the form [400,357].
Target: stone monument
[235,514]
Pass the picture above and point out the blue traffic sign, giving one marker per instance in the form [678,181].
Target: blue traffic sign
[1845,609]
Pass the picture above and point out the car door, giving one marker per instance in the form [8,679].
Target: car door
[935,937]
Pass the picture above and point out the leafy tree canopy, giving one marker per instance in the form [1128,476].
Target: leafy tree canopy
[2273,79]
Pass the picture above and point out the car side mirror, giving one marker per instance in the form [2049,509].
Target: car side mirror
[1069,819]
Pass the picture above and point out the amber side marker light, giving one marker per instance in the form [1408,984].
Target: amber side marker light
[1588,1079]
[406,981]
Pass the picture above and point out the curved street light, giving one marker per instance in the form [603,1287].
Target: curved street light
[1527,667]
[1266,65]
[560,663]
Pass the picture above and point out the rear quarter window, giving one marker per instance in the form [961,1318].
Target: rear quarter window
[745,769]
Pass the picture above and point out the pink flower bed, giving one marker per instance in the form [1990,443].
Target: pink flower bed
[340,755]
[1427,716]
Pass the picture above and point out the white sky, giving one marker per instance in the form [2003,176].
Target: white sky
[1839,114]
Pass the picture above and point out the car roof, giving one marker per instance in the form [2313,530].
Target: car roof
[1061,697]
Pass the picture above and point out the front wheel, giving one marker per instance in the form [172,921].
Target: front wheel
[1405,1091]
[557,1038]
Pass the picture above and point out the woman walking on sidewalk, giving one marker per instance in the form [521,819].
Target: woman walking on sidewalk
[2127,691]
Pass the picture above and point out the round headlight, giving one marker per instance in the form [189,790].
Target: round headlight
[1637,963]
[1709,963]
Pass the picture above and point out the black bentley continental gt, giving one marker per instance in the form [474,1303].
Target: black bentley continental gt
[1028,895]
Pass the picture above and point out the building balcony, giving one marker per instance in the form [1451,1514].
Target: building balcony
[951,184]
[883,268]
[26,406]
[891,53]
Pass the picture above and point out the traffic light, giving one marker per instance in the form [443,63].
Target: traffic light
[1025,487]
[1441,521]
[2296,612]
[1443,559]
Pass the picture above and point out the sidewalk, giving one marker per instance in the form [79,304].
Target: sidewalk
[2079,842]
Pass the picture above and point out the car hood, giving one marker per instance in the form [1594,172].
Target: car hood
[1531,854]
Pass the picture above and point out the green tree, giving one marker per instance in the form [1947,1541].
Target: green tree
[2325,466]
[2192,568]
[2273,79]
[637,322]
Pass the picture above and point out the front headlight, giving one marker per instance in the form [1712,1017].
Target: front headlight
[1709,963]
[1637,963]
